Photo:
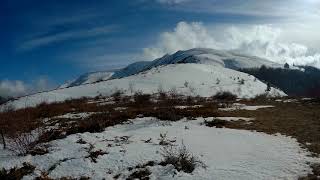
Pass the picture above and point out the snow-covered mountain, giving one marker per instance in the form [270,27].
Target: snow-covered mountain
[225,59]
[188,79]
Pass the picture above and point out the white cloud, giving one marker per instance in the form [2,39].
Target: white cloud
[12,88]
[265,41]
[17,88]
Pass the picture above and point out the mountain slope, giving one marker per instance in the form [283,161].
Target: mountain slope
[224,59]
[188,79]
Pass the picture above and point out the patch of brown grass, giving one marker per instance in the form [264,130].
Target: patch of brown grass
[299,120]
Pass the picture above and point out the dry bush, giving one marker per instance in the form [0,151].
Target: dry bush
[216,123]
[141,99]
[16,173]
[117,95]
[169,114]
[261,98]
[162,96]
[93,155]
[180,158]
[225,96]
[164,141]
[141,174]
[51,135]
[22,144]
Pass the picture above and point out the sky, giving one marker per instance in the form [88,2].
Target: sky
[45,43]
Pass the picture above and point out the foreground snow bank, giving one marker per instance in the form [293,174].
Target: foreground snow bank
[187,79]
[228,153]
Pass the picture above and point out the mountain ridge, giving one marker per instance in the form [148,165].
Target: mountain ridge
[227,59]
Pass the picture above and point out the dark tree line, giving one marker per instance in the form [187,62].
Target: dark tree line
[292,81]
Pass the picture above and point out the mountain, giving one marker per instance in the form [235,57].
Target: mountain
[188,79]
[224,59]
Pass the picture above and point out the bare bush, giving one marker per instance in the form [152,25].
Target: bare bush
[163,140]
[22,144]
[180,158]
[117,95]
[141,174]
[218,123]
[17,173]
[225,96]
[141,99]
[161,93]
[173,93]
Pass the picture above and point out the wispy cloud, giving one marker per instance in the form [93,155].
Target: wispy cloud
[170,2]
[67,35]
[272,8]
[98,58]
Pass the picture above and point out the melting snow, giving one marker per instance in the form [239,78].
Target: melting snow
[238,106]
[231,118]
[228,153]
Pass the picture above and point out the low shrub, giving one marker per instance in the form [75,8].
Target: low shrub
[117,95]
[216,123]
[225,96]
[141,99]
[22,144]
[16,173]
[93,155]
[141,174]
[180,158]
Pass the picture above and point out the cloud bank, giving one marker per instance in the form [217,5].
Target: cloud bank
[264,41]
[17,88]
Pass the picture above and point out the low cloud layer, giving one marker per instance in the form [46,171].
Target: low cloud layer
[264,41]
[19,88]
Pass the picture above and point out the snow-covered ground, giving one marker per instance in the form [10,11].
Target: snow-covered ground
[231,118]
[239,106]
[227,153]
[188,79]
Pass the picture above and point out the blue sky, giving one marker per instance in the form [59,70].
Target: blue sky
[46,42]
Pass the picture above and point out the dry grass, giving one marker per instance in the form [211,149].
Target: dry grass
[300,120]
